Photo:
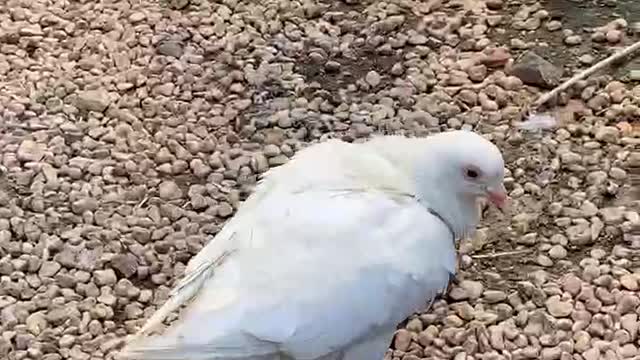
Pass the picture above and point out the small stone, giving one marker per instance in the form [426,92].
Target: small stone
[105,277]
[170,48]
[137,17]
[572,284]
[453,321]
[93,100]
[573,40]
[612,215]
[518,44]
[630,323]
[373,78]
[557,252]
[225,210]
[477,73]
[599,37]
[553,25]
[61,314]
[544,260]
[66,341]
[496,57]
[125,264]
[85,204]
[30,151]
[414,325]
[473,288]
[494,4]
[402,340]
[36,323]
[626,304]
[49,269]
[418,39]
[179,4]
[494,296]
[397,69]
[588,209]
[629,282]
[486,317]
[592,354]
[586,59]
[165,89]
[464,310]
[169,190]
[552,353]
[558,308]
[54,105]
[31,30]
[609,134]
[332,66]
[532,69]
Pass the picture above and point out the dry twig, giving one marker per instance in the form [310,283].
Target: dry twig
[500,254]
[599,65]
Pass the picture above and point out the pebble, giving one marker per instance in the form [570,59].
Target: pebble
[93,100]
[629,282]
[534,70]
[30,151]
[558,308]
[169,190]
[553,25]
[171,48]
[557,252]
[573,40]
[373,78]
[402,340]
[586,59]
[494,296]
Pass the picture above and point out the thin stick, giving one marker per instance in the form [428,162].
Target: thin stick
[141,203]
[495,255]
[33,127]
[601,64]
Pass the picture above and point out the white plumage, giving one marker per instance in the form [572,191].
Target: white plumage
[331,252]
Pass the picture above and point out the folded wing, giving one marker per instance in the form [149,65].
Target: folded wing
[340,266]
[332,165]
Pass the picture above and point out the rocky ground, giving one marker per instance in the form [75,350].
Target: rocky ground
[132,129]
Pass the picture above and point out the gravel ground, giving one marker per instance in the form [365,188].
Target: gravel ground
[132,129]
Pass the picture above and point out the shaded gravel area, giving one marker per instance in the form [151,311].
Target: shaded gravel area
[131,130]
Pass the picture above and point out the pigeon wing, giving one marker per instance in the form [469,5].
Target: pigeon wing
[346,265]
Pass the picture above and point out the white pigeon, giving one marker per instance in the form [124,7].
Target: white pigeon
[331,252]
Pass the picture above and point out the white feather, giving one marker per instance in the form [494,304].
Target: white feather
[334,165]
[326,257]
[325,282]
[538,122]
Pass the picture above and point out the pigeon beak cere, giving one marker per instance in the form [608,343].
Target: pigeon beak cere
[497,195]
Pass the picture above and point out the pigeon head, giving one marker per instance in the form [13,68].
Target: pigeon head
[476,166]
[455,170]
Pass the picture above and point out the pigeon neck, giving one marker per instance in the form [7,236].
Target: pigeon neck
[435,192]
[419,159]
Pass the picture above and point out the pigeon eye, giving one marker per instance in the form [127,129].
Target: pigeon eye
[472,173]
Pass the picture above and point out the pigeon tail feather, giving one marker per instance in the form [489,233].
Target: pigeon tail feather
[242,347]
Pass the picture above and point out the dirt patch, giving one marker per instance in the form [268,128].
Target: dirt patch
[577,14]
[335,71]
[582,17]
[350,70]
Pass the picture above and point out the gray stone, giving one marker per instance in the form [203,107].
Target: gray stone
[93,100]
[532,69]
[170,48]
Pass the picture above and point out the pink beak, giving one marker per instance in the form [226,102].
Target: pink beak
[497,196]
